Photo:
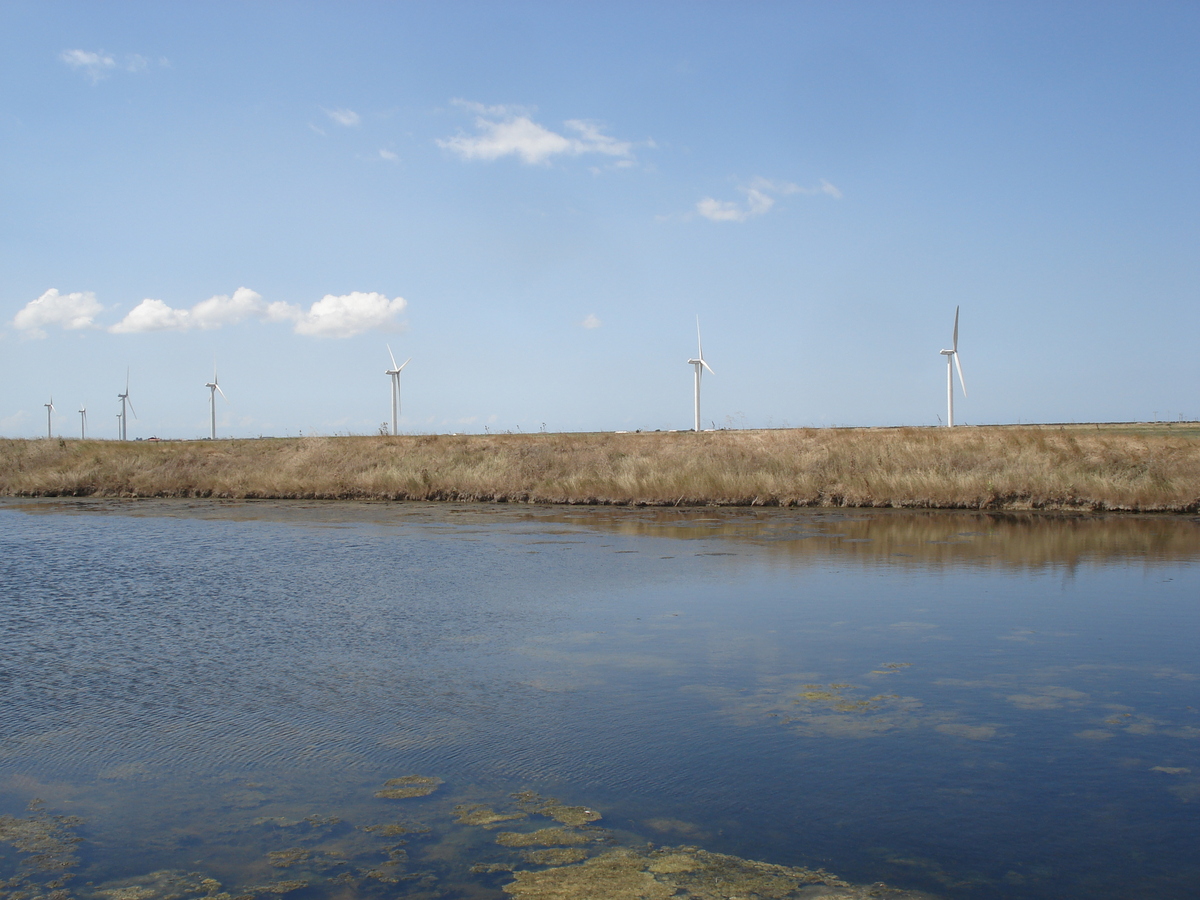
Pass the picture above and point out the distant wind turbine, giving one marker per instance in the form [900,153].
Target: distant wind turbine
[124,398]
[49,409]
[213,390]
[83,423]
[699,363]
[951,364]
[394,372]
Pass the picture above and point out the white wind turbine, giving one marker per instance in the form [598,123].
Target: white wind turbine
[213,390]
[951,364]
[49,409]
[124,398]
[699,363]
[83,423]
[394,372]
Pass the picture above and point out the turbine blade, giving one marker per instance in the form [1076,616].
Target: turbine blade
[131,409]
[699,343]
[127,380]
[958,366]
[954,346]
[221,392]
[707,366]
[406,362]
[392,355]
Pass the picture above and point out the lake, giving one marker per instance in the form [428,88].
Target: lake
[257,699]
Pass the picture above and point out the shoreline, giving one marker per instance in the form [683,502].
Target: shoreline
[1080,468]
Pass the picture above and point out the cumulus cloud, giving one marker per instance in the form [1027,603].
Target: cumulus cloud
[222,310]
[760,196]
[155,315]
[332,316]
[388,156]
[591,321]
[347,117]
[510,131]
[70,311]
[97,65]
[342,316]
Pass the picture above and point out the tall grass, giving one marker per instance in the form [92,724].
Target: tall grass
[1095,468]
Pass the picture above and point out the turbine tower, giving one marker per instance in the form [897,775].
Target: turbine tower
[49,409]
[394,372]
[83,423]
[125,401]
[699,364]
[213,390]
[951,364]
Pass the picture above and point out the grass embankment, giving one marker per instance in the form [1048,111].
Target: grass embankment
[1071,467]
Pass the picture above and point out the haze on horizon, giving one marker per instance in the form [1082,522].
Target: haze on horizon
[535,201]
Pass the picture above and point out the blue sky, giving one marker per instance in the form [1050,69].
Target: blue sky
[535,201]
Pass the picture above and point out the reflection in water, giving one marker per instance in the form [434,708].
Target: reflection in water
[1017,539]
[259,699]
[1020,540]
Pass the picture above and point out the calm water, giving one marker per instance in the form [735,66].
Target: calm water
[965,705]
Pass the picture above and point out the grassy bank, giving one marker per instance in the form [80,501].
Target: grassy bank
[1011,467]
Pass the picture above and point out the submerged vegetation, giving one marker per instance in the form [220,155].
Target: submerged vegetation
[1146,469]
[329,858]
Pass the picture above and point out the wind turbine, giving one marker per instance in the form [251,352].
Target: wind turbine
[83,423]
[395,371]
[124,398]
[699,363]
[213,390]
[951,364]
[49,409]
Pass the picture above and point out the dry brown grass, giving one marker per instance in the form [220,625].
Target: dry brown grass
[1079,467]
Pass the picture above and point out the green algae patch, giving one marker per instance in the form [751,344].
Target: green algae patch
[409,786]
[686,872]
[890,668]
[282,859]
[543,837]
[165,884]
[491,868]
[573,816]
[277,887]
[554,856]
[616,875]
[49,844]
[391,829]
[835,697]
[483,816]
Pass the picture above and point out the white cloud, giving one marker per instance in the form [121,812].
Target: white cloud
[70,311]
[756,204]
[342,316]
[388,156]
[346,117]
[329,317]
[222,310]
[94,65]
[759,199]
[97,65]
[786,187]
[591,321]
[509,131]
[155,315]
